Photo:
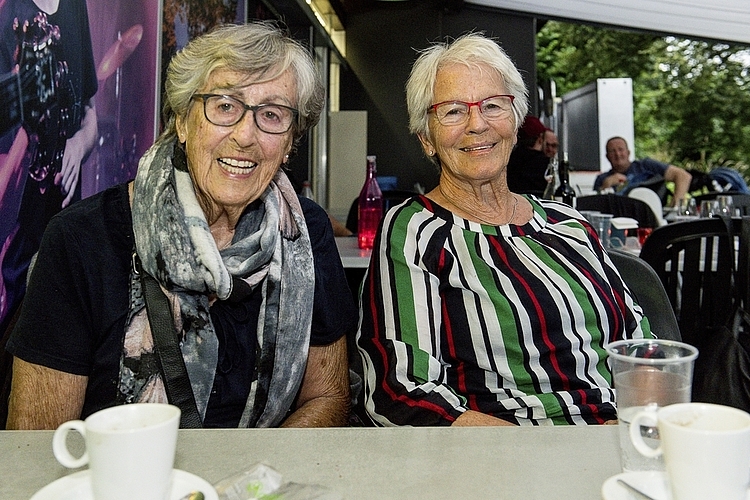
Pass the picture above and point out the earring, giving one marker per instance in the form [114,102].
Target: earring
[430,152]
[286,158]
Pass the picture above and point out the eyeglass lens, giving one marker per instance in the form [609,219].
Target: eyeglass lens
[456,112]
[226,111]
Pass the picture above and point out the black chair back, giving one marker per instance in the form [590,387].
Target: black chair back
[695,261]
[619,206]
[649,293]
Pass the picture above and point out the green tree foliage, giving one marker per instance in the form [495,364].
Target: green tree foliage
[691,98]
[576,54]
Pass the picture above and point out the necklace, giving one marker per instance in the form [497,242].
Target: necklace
[485,221]
[512,214]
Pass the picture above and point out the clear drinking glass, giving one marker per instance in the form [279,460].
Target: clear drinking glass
[648,372]
[725,205]
[687,208]
[709,208]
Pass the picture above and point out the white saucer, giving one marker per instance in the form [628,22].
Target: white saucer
[652,483]
[78,487]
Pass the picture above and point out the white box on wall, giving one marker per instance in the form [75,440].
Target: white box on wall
[347,160]
[591,115]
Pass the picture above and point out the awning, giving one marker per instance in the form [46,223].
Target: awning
[721,20]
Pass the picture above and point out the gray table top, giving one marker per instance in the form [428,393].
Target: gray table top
[399,463]
[352,257]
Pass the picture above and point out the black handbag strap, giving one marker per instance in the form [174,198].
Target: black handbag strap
[171,362]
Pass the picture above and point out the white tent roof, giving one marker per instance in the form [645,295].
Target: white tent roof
[726,20]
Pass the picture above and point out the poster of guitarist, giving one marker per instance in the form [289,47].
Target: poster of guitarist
[48,126]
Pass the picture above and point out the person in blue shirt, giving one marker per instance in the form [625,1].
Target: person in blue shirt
[625,175]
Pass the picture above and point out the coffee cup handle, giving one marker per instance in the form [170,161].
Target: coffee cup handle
[60,444]
[648,418]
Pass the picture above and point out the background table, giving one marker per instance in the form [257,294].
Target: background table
[352,257]
[561,463]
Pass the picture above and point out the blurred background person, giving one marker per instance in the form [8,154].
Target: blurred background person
[551,144]
[528,162]
[482,306]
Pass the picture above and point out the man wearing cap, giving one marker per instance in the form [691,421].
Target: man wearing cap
[528,163]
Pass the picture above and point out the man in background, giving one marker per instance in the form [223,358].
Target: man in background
[625,175]
[551,144]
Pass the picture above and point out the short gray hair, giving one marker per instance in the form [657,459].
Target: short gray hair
[259,49]
[473,50]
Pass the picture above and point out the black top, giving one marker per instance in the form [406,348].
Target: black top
[77,302]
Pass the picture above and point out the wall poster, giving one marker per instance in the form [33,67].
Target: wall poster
[80,85]
[78,107]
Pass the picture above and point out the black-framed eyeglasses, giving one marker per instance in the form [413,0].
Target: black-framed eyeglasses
[451,113]
[227,111]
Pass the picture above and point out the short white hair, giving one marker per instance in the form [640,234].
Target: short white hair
[475,50]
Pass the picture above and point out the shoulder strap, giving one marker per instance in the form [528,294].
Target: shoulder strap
[171,363]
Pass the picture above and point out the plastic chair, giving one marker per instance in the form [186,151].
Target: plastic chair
[648,292]
[657,184]
[619,206]
[694,261]
[652,199]
[742,202]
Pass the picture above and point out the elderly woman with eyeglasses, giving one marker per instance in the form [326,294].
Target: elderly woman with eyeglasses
[258,303]
[482,306]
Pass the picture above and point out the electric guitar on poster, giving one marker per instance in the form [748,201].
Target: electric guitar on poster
[39,95]
[27,92]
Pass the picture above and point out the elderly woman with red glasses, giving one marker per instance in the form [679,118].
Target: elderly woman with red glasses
[257,302]
[482,306]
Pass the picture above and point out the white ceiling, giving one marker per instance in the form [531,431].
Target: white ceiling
[727,20]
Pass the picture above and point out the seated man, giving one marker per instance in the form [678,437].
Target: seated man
[625,175]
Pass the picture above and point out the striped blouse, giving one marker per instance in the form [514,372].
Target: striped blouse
[506,320]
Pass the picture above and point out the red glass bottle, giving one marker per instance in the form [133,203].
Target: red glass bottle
[370,207]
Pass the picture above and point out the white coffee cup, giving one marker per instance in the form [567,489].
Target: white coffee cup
[129,450]
[706,449]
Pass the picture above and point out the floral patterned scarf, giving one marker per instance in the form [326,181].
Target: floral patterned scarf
[271,249]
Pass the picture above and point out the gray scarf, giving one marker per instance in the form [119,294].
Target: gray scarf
[271,249]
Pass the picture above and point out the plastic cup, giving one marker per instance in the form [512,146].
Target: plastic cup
[648,372]
[603,225]
[589,215]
